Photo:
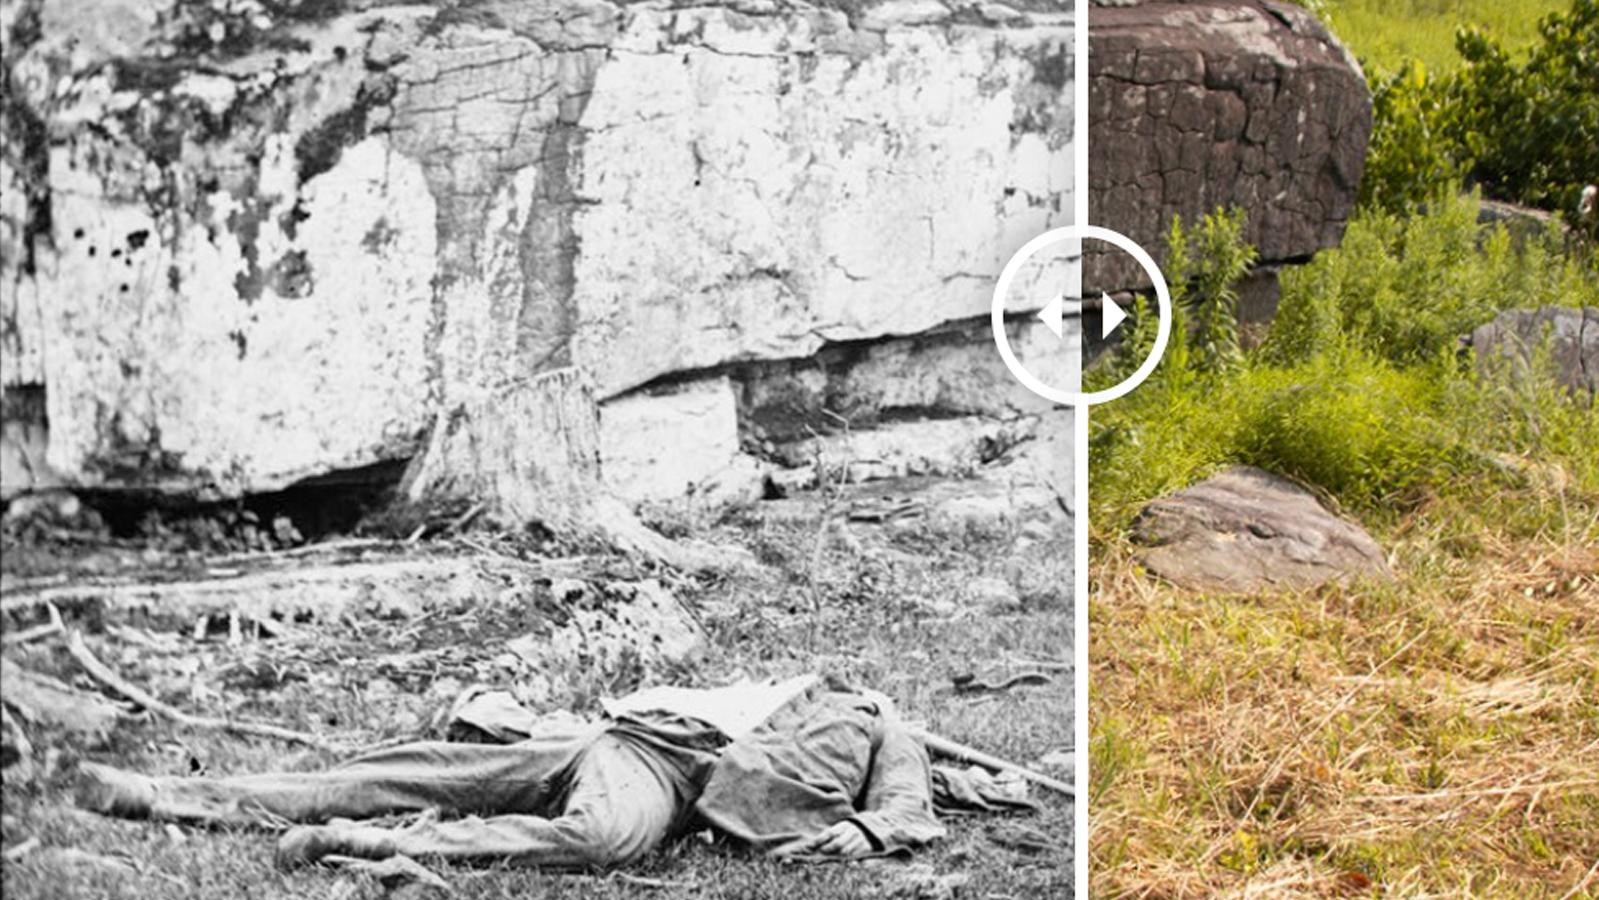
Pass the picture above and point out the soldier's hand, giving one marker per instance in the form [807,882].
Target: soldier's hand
[842,839]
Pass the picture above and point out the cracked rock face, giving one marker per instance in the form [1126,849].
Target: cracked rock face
[1248,530]
[247,242]
[1195,105]
[1518,339]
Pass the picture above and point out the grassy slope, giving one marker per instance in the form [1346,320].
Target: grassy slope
[1383,33]
[1436,737]
[885,618]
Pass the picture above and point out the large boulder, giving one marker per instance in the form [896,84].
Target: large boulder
[1195,104]
[1249,530]
[248,243]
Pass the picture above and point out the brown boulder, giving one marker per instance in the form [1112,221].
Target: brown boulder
[1195,105]
[1249,530]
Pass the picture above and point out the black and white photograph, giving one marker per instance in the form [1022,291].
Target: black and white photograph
[560,448]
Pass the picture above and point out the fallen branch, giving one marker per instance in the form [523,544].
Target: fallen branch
[37,632]
[962,753]
[1582,882]
[465,519]
[641,881]
[1048,665]
[18,851]
[1518,788]
[394,872]
[968,683]
[103,673]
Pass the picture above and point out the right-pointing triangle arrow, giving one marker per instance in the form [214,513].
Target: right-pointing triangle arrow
[1111,316]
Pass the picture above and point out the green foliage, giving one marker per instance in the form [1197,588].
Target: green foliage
[1405,288]
[1349,424]
[1359,387]
[1386,33]
[1408,161]
[1220,260]
[1525,130]
[1531,130]
[1346,421]
[1203,266]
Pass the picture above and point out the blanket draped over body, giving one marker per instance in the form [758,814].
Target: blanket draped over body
[789,767]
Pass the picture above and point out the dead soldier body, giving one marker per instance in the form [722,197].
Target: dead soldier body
[788,768]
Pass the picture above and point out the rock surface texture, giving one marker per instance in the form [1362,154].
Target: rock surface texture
[1518,337]
[1195,105]
[1249,530]
[249,242]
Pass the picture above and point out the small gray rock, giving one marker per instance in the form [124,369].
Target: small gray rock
[1516,334]
[1249,530]
[994,595]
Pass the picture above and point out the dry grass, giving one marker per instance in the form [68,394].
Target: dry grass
[1438,737]
[887,606]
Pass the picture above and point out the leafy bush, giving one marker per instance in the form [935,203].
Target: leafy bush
[1531,131]
[1410,159]
[1359,388]
[1364,431]
[1406,287]
[1526,131]
[1207,284]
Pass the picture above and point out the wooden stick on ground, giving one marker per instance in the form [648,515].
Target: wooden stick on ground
[961,752]
[49,628]
[103,673]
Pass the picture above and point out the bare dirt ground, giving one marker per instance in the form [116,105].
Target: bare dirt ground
[905,604]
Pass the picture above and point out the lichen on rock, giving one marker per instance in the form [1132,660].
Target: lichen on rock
[260,241]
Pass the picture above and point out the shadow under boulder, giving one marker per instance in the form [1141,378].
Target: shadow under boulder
[1249,530]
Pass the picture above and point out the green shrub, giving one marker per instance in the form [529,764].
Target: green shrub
[1526,131]
[1531,130]
[1203,266]
[1410,159]
[1347,422]
[1360,388]
[1407,287]
[1368,433]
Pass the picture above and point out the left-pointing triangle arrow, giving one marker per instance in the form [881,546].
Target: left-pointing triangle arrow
[1051,315]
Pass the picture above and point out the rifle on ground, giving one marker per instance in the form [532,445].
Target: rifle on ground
[962,753]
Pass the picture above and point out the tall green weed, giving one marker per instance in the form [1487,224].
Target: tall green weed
[1406,287]
[1360,387]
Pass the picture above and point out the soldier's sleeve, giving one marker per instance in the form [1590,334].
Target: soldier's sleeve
[897,807]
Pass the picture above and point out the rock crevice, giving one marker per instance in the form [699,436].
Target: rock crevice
[355,217]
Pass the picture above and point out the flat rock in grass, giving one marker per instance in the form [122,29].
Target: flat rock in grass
[1516,336]
[42,700]
[1249,530]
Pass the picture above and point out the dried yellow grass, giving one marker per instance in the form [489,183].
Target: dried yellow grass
[1437,738]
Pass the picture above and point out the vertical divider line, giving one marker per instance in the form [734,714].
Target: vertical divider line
[1080,473]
